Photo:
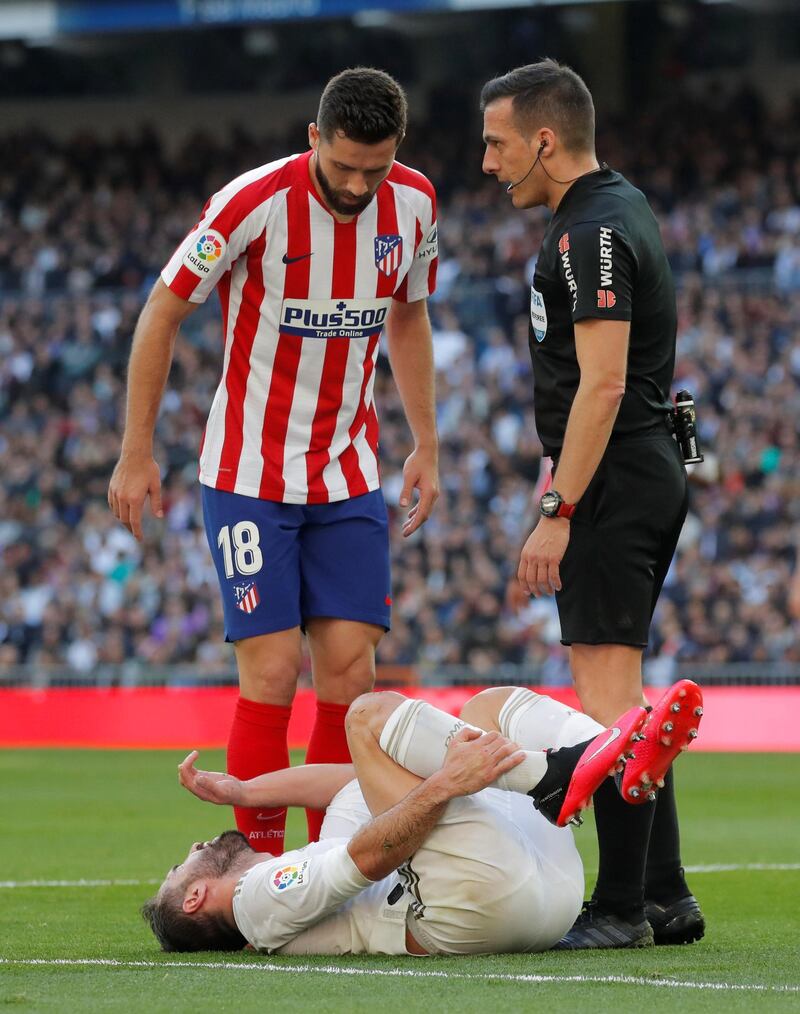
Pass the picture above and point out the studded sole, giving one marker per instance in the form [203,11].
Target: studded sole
[670,728]
[601,758]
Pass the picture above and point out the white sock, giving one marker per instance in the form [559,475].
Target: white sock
[417,735]
[537,722]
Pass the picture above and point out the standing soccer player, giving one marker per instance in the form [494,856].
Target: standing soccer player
[311,255]
[603,328]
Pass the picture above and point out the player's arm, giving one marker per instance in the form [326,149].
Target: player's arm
[206,253]
[136,475]
[473,761]
[408,331]
[598,269]
[602,350]
[311,785]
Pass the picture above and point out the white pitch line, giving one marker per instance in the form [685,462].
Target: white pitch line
[735,867]
[404,973]
[716,868]
[76,883]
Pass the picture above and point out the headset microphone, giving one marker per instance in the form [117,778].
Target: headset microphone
[561,183]
[511,186]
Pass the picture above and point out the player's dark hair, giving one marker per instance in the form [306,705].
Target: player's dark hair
[547,94]
[365,104]
[177,930]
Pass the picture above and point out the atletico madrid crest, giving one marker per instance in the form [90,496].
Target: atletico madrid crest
[247,597]
[388,253]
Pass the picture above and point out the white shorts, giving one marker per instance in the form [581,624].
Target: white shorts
[492,877]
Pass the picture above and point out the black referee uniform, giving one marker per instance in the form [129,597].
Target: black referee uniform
[602,258]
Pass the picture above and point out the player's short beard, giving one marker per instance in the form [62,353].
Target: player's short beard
[222,855]
[334,197]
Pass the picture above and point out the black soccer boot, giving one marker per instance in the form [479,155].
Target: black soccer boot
[596,928]
[680,922]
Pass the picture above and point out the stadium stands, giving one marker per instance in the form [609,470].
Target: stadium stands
[84,230]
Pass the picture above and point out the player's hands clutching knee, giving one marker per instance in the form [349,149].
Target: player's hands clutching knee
[475,759]
[210,786]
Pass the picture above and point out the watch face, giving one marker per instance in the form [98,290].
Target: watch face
[549,504]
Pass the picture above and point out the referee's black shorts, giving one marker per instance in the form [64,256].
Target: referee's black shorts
[622,539]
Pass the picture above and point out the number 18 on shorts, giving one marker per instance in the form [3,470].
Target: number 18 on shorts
[280,564]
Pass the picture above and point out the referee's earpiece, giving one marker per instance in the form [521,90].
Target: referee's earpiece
[542,146]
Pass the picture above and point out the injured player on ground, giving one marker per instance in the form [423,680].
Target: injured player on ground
[445,835]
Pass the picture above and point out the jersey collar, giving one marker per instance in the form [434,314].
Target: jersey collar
[582,183]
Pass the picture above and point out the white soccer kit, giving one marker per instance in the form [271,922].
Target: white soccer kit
[493,876]
[304,298]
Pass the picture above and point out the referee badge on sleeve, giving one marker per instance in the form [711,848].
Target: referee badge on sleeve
[538,315]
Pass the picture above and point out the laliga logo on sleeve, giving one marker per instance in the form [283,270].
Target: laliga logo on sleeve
[209,248]
[206,251]
[287,877]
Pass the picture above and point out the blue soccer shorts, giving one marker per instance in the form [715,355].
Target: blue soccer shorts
[282,564]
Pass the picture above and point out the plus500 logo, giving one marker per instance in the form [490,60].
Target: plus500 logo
[330,318]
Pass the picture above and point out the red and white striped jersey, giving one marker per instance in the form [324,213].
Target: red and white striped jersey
[304,299]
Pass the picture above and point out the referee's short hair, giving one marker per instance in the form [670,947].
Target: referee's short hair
[364,104]
[547,94]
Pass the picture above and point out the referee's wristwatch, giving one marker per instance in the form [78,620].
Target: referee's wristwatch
[552,506]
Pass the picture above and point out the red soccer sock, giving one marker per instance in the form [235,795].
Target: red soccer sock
[328,745]
[257,744]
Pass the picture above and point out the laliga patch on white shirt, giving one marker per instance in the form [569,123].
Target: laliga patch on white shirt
[288,877]
[334,318]
[538,315]
[205,252]
[429,247]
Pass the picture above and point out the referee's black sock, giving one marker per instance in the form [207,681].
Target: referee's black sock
[664,880]
[623,832]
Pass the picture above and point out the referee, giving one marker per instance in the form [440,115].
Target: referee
[602,338]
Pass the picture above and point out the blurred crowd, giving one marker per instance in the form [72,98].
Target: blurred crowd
[84,230]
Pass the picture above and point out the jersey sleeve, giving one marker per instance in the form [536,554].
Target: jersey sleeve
[598,267]
[420,281]
[226,228]
[277,900]
[346,813]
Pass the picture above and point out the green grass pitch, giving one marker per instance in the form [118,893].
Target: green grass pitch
[120,816]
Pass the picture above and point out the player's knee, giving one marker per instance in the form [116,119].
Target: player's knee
[483,709]
[360,712]
[357,666]
[370,711]
[348,686]
[271,681]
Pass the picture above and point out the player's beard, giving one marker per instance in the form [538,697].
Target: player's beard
[221,855]
[334,198]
